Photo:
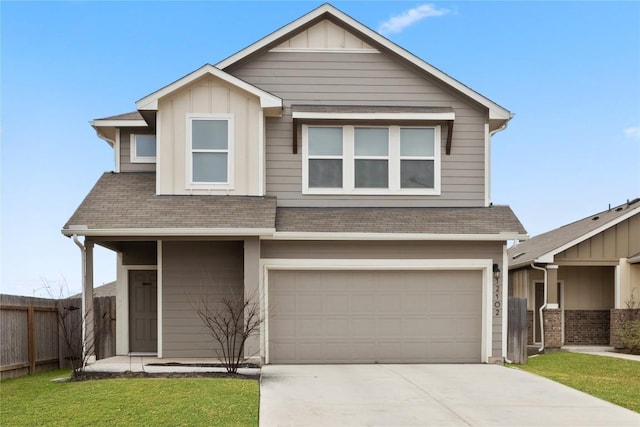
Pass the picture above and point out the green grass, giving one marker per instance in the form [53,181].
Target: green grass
[611,379]
[36,401]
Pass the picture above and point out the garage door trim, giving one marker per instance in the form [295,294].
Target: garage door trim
[483,265]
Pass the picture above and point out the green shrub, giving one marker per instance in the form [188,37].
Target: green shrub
[629,335]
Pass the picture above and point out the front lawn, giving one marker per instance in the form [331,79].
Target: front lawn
[35,400]
[611,379]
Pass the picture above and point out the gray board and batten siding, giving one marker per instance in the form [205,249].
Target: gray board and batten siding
[376,79]
[195,272]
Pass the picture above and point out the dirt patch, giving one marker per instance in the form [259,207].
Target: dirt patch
[87,376]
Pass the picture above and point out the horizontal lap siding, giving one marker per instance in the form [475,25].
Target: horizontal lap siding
[363,79]
[125,153]
[193,272]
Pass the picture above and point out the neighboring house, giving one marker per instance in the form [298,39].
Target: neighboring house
[105,290]
[328,173]
[586,275]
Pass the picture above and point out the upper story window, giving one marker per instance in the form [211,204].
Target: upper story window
[210,151]
[371,160]
[143,148]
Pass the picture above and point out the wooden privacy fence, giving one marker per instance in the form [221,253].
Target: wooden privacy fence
[517,330]
[31,339]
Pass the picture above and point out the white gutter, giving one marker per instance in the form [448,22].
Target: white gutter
[83,252]
[542,307]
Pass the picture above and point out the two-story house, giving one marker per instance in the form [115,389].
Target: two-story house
[327,172]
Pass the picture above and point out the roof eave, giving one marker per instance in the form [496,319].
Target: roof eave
[164,232]
[294,235]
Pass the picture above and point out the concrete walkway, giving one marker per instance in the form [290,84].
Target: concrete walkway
[152,364]
[426,395]
[601,351]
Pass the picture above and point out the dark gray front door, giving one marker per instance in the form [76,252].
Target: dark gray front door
[143,311]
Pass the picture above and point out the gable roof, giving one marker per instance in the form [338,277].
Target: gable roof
[497,113]
[267,100]
[543,247]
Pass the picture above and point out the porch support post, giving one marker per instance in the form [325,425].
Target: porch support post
[252,292]
[88,326]
[552,284]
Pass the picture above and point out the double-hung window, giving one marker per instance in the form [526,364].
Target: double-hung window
[417,158]
[371,157]
[210,151]
[372,160]
[325,157]
[143,148]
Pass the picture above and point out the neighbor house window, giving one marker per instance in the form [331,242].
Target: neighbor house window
[371,159]
[210,150]
[143,148]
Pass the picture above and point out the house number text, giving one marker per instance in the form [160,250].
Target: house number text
[497,304]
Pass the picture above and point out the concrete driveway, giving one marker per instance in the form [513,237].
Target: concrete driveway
[426,395]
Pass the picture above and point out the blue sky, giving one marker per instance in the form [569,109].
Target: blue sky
[570,71]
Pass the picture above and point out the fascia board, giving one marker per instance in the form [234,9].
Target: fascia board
[548,257]
[119,123]
[372,116]
[495,110]
[166,232]
[150,102]
[500,237]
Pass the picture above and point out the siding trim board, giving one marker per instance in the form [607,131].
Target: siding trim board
[484,265]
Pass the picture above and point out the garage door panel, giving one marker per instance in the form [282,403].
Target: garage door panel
[337,304]
[362,304]
[388,303]
[367,317]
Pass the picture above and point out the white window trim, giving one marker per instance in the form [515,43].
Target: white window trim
[228,185]
[132,146]
[348,164]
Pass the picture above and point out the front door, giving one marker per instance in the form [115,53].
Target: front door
[143,311]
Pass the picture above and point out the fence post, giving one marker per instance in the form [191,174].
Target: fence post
[32,339]
[517,330]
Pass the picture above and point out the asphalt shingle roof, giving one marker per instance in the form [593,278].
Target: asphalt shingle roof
[530,250]
[134,115]
[128,200]
[121,201]
[491,220]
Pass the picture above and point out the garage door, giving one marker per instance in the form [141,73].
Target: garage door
[375,316]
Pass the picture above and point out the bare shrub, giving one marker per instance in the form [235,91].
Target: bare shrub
[230,321]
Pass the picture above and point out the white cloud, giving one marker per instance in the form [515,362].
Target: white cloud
[633,132]
[397,23]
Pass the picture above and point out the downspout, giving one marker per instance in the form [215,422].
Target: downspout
[83,252]
[542,307]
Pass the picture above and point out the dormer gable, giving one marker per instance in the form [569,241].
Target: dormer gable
[270,103]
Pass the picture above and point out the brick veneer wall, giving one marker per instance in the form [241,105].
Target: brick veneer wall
[552,328]
[530,327]
[617,318]
[586,327]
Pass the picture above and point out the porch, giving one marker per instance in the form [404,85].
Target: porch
[155,365]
